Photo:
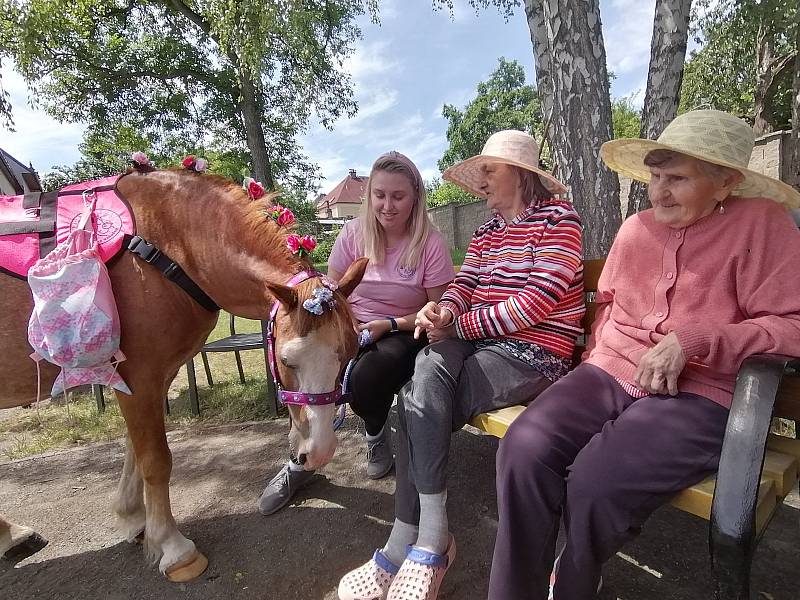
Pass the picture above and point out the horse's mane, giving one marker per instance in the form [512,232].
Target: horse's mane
[260,231]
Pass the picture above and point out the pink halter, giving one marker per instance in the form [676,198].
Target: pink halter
[301,398]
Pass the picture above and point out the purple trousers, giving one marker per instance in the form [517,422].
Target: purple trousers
[605,460]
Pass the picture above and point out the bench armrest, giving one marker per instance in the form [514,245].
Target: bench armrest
[733,511]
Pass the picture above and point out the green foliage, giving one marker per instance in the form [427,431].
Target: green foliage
[626,118]
[325,245]
[723,73]
[444,192]
[176,71]
[502,102]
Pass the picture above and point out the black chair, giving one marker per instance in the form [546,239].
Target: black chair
[236,343]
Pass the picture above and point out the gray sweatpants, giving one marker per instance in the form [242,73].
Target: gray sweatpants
[452,382]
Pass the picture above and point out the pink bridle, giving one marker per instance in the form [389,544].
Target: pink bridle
[301,398]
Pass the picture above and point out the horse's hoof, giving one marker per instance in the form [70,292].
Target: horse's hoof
[188,569]
[28,547]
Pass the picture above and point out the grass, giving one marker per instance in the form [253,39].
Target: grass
[54,426]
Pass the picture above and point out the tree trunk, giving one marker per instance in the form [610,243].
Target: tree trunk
[251,108]
[762,115]
[572,78]
[663,94]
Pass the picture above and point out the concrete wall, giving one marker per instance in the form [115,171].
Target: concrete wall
[458,222]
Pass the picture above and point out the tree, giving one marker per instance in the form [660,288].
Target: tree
[572,79]
[796,102]
[745,64]
[572,82]
[233,75]
[626,118]
[664,78]
[502,102]
[444,192]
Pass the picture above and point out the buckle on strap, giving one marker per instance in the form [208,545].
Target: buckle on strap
[144,250]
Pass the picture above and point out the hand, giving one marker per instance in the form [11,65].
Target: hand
[441,333]
[430,317]
[660,367]
[377,329]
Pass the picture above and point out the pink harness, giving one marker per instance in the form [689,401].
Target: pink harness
[301,398]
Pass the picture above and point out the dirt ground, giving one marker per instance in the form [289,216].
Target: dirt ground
[334,525]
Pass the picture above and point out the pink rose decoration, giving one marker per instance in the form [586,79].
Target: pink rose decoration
[200,165]
[188,162]
[253,188]
[285,217]
[140,158]
[308,242]
[293,243]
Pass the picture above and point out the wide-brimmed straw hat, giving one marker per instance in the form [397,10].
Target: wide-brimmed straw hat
[710,135]
[510,147]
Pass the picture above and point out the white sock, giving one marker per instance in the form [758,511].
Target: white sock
[294,466]
[402,535]
[434,535]
[376,437]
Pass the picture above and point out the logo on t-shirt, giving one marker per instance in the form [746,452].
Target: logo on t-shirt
[406,272]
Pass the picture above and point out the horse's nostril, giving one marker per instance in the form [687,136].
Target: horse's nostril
[301,459]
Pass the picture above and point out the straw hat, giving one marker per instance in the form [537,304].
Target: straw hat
[510,147]
[710,135]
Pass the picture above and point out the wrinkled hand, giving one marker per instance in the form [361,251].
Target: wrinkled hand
[441,333]
[660,367]
[430,317]
[377,329]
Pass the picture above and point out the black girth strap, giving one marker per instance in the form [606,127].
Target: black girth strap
[171,270]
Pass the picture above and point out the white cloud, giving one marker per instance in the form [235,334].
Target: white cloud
[38,139]
[370,61]
[627,37]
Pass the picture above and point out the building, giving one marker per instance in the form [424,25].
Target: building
[15,178]
[344,201]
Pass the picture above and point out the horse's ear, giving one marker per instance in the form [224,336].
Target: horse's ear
[285,295]
[352,277]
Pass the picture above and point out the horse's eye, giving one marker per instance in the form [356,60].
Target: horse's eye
[285,362]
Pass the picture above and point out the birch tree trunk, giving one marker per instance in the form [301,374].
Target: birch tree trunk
[572,79]
[664,78]
[762,118]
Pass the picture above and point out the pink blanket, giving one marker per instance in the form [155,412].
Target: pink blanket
[53,220]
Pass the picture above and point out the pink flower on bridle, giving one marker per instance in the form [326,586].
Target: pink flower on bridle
[302,246]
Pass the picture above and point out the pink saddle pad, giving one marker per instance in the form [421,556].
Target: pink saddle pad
[32,225]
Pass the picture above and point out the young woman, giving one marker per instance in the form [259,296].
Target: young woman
[409,265]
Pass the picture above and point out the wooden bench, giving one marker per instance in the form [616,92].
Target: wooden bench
[757,468]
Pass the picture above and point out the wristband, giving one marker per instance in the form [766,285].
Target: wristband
[394,328]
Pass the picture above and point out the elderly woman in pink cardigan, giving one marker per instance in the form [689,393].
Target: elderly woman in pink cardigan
[690,288]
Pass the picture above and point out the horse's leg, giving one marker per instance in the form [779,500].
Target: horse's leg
[129,502]
[18,542]
[179,559]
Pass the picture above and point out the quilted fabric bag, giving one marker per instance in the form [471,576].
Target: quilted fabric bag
[75,324]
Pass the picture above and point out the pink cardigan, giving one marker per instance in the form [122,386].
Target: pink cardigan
[728,286]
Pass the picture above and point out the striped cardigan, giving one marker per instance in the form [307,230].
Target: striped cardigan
[523,280]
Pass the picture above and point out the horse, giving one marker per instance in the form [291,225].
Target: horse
[239,257]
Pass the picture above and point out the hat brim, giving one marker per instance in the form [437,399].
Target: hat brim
[467,174]
[626,156]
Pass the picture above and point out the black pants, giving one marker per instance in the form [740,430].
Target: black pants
[380,371]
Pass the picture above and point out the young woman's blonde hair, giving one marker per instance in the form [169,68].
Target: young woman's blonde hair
[419,226]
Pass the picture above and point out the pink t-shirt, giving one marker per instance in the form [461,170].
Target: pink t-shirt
[389,290]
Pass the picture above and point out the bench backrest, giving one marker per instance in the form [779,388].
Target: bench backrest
[591,277]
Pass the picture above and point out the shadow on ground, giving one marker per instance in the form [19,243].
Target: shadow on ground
[334,525]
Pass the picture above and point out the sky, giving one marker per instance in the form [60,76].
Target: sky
[404,71]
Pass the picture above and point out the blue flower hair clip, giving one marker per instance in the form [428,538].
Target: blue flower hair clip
[321,296]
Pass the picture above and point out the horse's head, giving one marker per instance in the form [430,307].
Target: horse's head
[311,353]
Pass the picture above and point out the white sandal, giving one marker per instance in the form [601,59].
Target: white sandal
[370,581]
[421,574]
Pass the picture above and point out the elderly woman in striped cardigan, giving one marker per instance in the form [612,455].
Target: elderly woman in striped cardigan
[503,331]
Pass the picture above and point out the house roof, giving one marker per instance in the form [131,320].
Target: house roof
[350,190]
[20,176]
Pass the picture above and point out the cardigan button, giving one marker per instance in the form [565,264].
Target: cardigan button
[659,314]
[670,275]
[678,234]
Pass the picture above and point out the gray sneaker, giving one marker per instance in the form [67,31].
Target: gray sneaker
[380,459]
[281,488]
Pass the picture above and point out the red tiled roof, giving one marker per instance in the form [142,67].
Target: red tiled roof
[350,190]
